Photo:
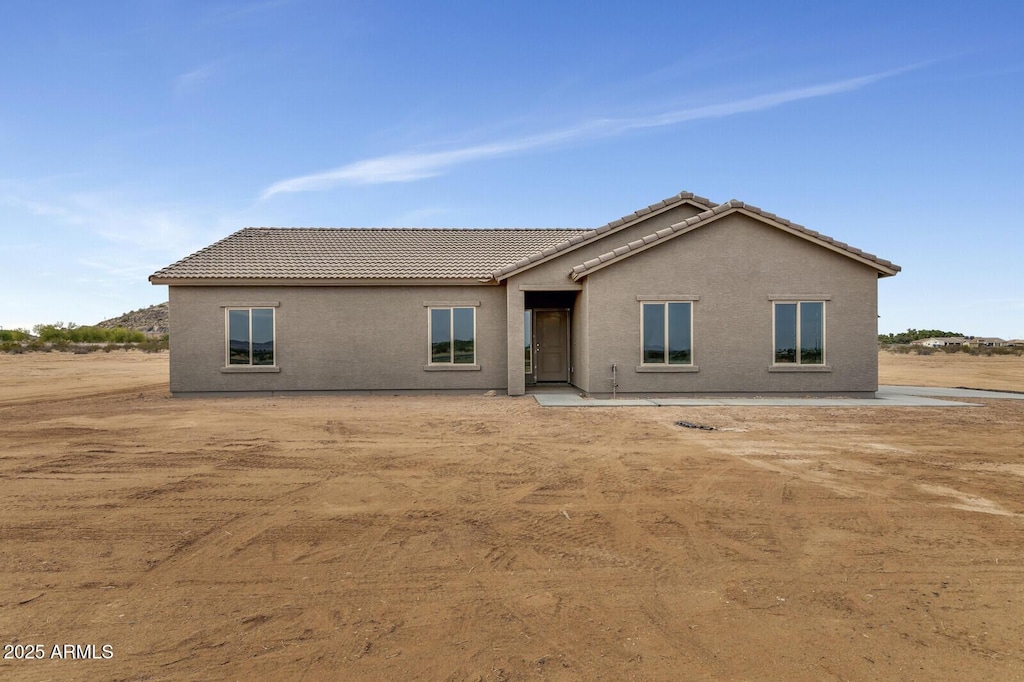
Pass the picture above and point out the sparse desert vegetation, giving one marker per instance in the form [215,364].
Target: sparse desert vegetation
[79,339]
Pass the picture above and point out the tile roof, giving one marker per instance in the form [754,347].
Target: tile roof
[363,253]
[322,253]
[885,267]
[597,233]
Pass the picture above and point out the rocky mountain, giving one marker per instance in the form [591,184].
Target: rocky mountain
[152,320]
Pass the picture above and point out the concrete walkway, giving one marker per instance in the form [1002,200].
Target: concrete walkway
[887,396]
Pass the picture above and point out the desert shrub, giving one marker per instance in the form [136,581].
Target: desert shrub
[80,340]
[997,350]
[122,335]
[13,335]
[154,345]
[48,333]
[71,332]
[906,349]
[11,347]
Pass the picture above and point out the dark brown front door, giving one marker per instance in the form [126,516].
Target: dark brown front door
[551,335]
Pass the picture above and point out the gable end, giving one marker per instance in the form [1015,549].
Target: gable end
[606,230]
[885,268]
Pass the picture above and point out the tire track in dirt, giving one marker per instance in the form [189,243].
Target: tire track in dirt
[434,546]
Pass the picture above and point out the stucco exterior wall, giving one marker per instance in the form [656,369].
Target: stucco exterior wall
[515,334]
[579,352]
[734,265]
[334,338]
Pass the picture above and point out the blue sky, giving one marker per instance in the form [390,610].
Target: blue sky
[133,133]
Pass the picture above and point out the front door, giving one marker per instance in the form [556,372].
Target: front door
[551,335]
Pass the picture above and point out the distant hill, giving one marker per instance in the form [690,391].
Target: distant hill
[152,320]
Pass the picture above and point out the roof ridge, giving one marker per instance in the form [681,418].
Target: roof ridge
[596,233]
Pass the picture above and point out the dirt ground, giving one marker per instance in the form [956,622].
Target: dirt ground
[995,373]
[477,538]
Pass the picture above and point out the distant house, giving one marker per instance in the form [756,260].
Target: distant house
[940,342]
[684,296]
[1015,343]
[984,342]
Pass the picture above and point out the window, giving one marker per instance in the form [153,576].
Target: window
[800,333]
[452,336]
[667,333]
[250,336]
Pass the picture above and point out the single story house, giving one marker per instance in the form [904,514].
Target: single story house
[940,341]
[685,296]
[984,342]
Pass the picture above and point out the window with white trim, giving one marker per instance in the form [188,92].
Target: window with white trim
[452,333]
[666,333]
[250,336]
[799,330]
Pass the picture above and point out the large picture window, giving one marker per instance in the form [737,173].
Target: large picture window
[667,333]
[452,336]
[800,333]
[250,336]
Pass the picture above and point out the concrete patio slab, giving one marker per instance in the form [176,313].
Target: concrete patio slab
[887,396]
[932,391]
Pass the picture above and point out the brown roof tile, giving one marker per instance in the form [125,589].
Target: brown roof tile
[431,253]
[363,253]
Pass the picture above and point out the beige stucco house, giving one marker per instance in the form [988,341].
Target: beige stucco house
[685,297]
[940,342]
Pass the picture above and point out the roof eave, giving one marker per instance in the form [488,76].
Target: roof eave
[319,281]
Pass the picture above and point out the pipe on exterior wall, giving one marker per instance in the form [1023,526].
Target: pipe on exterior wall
[615,380]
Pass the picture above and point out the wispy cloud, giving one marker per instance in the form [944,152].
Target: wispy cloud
[40,208]
[190,81]
[98,249]
[158,230]
[416,165]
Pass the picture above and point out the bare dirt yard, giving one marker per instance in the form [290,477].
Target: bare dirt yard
[477,538]
[994,373]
